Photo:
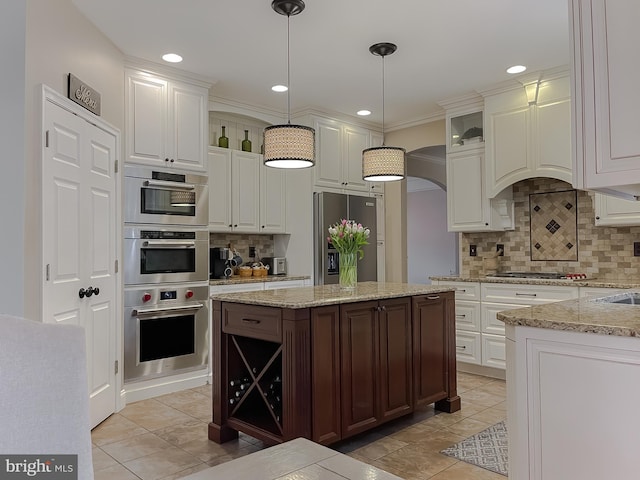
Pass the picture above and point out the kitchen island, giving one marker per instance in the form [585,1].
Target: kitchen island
[326,363]
[573,384]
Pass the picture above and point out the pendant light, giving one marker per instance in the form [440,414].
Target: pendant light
[289,146]
[383,164]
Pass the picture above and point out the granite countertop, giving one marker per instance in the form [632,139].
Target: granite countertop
[236,279]
[604,282]
[320,295]
[586,315]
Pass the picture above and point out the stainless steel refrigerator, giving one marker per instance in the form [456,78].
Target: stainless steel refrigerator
[328,209]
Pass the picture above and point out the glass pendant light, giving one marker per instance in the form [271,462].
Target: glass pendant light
[289,146]
[383,164]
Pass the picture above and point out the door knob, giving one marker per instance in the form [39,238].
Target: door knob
[88,292]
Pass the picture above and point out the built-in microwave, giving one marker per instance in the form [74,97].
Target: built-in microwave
[165,254]
[165,197]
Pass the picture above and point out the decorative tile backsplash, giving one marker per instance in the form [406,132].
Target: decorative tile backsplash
[554,225]
[241,242]
[602,251]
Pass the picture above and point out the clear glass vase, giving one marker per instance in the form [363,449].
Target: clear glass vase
[348,275]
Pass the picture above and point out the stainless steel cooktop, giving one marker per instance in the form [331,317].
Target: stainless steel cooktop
[539,275]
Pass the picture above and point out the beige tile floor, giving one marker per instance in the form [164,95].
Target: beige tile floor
[166,437]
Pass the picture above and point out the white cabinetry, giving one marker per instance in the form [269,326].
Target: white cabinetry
[572,404]
[166,121]
[605,36]
[244,196]
[273,198]
[614,211]
[339,149]
[525,140]
[468,207]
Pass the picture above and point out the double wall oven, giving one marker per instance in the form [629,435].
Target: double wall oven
[166,273]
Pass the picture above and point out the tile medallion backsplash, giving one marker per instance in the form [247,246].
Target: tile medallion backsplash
[600,251]
[554,225]
[241,242]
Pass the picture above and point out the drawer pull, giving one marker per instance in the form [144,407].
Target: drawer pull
[462,315]
[461,347]
[251,321]
[526,294]
[433,297]
[463,290]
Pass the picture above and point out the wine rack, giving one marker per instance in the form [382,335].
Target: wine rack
[254,390]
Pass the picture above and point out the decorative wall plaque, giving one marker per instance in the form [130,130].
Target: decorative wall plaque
[83,94]
[554,226]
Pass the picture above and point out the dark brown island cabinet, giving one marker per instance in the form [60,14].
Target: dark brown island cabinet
[318,363]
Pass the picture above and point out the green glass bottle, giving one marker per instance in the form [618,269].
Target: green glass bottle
[246,143]
[223,141]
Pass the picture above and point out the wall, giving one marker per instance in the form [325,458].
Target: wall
[60,40]
[603,252]
[12,139]
[431,248]
[412,138]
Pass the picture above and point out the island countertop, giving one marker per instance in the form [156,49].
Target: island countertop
[585,315]
[320,295]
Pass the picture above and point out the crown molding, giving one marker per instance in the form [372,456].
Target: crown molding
[175,73]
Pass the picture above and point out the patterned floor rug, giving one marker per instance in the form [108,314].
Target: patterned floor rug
[487,449]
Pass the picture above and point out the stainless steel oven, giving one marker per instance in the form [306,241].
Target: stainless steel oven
[165,254]
[165,330]
[165,197]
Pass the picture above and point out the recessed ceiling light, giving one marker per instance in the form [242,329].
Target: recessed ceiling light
[172,58]
[516,69]
[279,88]
[363,113]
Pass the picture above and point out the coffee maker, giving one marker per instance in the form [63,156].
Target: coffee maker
[219,262]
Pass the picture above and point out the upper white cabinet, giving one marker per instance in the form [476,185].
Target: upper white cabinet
[166,121]
[244,196]
[339,149]
[273,197]
[614,211]
[469,209]
[525,140]
[605,36]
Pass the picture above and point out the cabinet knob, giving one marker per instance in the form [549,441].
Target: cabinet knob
[597,218]
[171,160]
[486,224]
[262,226]
[166,159]
[235,226]
[230,225]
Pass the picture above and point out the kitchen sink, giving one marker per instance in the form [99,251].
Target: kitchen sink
[631,298]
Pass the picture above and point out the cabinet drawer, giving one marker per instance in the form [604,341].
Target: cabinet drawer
[596,292]
[526,294]
[263,323]
[464,290]
[468,347]
[236,287]
[494,351]
[467,316]
[490,324]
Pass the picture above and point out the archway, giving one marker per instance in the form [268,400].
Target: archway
[431,249]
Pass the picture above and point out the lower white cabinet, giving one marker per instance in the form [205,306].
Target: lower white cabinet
[255,286]
[468,347]
[283,284]
[572,404]
[480,336]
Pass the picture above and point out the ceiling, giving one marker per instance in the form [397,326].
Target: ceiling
[445,48]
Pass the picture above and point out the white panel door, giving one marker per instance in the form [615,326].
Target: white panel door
[245,175]
[273,198]
[355,141]
[79,243]
[188,125]
[219,169]
[328,169]
[146,119]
